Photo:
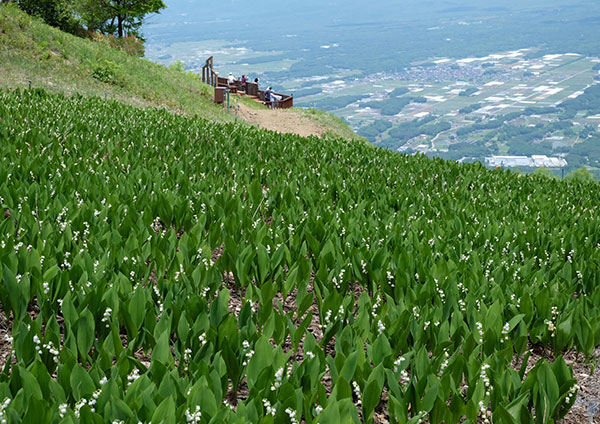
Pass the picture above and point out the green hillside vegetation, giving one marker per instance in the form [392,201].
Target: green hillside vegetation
[166,269]
[400,91]
[33,51]
[469,91]
[471,108]
[394,105]
[375,128]
[410,129]
[589,101]
[337,127]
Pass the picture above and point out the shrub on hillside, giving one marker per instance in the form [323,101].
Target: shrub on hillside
[131,45]
[544,173]
[105,71]
[581,175]
[178,66]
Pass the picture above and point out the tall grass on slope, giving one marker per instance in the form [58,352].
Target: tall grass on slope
[32,51]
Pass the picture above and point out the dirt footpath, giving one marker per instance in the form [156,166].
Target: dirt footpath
[280,120]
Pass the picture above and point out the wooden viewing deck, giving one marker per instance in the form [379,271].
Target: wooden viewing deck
[210,77]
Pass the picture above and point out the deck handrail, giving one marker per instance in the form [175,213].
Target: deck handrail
[210,77]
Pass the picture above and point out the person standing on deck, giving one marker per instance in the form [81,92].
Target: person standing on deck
[231,79]
[269,96]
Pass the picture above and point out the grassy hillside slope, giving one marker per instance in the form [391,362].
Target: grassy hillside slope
[160,268]
[33,51]
[56,61]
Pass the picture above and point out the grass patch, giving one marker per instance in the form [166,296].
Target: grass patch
[338,127]
[49,58]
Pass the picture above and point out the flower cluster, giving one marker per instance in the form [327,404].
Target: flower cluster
[158,301]
[3,406]
[278,379]
[390,279]
[505,331]
[398,362]
[572,392]
[202,339]
[357,392]
[134,375]
[486,380]
[376,306]
[380,327]
[551,327]
[62,409]
[249,354]
[187,356]
[91,403]
[292,414]
[193,417]
[479,327]
[51,350]
[106,317]
[269,409]
[422,415]
[444,364]
[483,411]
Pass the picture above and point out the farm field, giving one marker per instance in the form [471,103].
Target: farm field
[158,268]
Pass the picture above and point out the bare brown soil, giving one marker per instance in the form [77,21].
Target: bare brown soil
[280,120]
[587,404]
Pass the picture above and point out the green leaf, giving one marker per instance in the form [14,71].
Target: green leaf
[342,389]
[262,358]
[137,308]
[30,384]
[162,350]
[349,367]
[85,333]
[255,193]
[81,383]
[18,302]
[331,414]
[51,273]
[263,263]
[165,412]
[381,349]
[37,411]
[430,395]
[371,397]
[501,415]
[219,308]
[548,384]
[120,410]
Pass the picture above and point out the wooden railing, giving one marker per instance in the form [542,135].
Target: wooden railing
[210,77]
[286,101]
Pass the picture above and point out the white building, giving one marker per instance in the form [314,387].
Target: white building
[535,161]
